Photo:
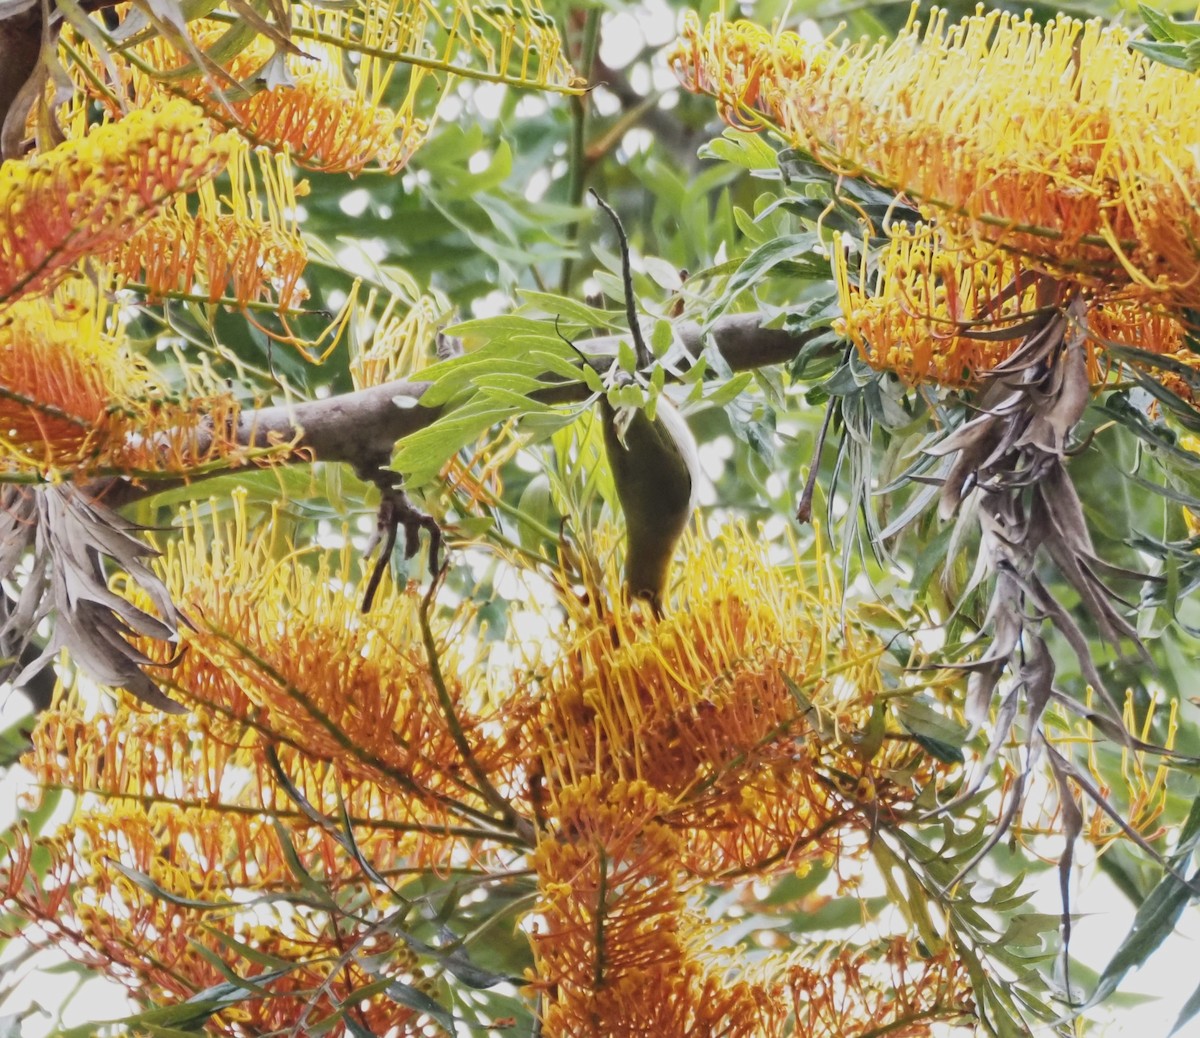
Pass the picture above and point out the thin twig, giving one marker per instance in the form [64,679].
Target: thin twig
[494,798]
[644,357]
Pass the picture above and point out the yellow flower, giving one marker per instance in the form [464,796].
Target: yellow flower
[617,951]
[278,641]
[323,125]
[1057,142]
[88,195]
[286,678]
[739,708]
[398,346]
[215,866]
[310,113]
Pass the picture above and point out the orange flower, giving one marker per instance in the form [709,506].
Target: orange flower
[228,243]
[946,313]
[311,115]
[1056,142]
[616,949]
[740,708]
[88,195]
[74,397]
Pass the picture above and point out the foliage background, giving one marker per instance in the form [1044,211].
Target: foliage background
[490,212]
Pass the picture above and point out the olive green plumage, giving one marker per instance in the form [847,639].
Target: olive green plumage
[655,471]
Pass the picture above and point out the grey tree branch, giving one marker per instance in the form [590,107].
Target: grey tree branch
[363,426]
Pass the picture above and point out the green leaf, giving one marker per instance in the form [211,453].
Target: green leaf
[626,358]
[1152,924]
[793,887]
[572,311]
[939,735]
[1173,55]
[1164,27]
[1190,1008]
[245,951]
[420,457]
[839,914]
[729,391]
[160,893]
[661,338]
[755,267]
[498,169]
[747,150]
[185,1017]
[413,998]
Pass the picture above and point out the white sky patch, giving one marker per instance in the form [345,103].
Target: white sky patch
[491,305]
[488,98]
[636,142]
[627,33]
[363,257]
[354,203]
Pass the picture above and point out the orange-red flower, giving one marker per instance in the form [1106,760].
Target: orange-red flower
[1057,142]
[88,195]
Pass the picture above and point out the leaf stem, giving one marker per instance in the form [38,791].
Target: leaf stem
[577,161]
[493,797]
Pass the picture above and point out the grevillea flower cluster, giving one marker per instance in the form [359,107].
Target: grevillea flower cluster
[89,194]
[725,741]
[74,398]
[243,242]
[1057,141]
[936,312]
[1052,149]
[307,111]
[302,709]
[312,725]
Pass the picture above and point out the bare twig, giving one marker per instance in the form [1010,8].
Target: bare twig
[641,350]
[519,825]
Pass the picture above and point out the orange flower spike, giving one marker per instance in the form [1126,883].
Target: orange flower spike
[326,127]
[239,242]
[934,316]
[88,195]
[348,688]
[74,395]
[325,120]
[62,364]
[1056,141]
